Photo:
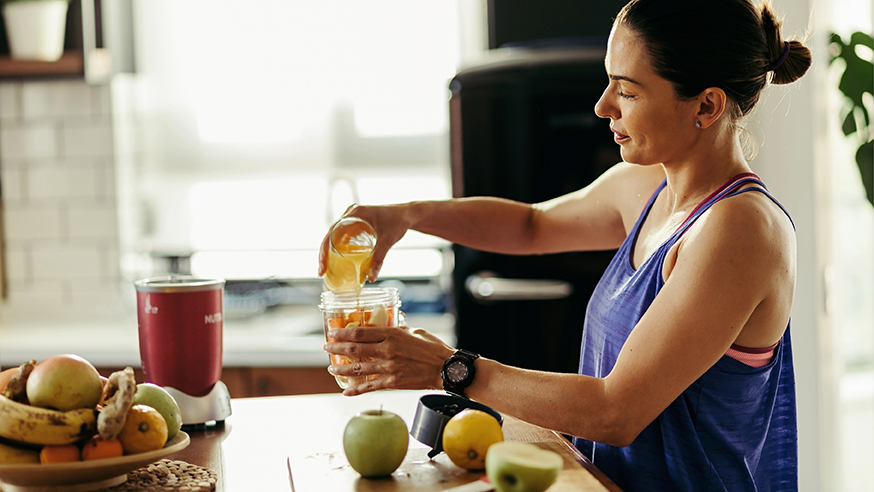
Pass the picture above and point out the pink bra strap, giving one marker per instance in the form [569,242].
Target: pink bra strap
[755,357]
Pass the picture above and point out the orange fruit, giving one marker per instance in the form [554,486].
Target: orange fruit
[354,317]
[98,448]
[467,437]
[5,376]
[337,322]
[144,430]
[66,453]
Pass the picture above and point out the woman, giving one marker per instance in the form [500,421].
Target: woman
[686,378]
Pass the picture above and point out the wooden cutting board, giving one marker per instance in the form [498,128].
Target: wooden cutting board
[331,471]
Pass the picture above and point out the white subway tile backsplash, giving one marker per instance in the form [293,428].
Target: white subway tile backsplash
[28,141]
[57,172]
[106,182]
[89,139]
[101,99]
[58,261]
[36,294]
[101,299]
[17,264]
[42,222]
[9,100]
[111,269]
[37,99]
[93,221]
[11,186]
[59,182]
[49,99]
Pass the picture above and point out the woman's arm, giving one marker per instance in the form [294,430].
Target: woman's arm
[732,278]
[584,220]
[595,218]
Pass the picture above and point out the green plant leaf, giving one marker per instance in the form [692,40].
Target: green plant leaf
[858,76]
[865,160]
[857,79]
[849,124]
[862,38]
[838,49]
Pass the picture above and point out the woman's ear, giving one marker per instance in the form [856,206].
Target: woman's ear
[711,105]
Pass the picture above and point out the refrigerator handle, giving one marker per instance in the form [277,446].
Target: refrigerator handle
[485,286]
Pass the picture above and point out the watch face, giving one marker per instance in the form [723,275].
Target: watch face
[456,371]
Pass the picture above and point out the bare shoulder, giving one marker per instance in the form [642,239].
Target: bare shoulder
[745,233]
[754,216]
[741,257]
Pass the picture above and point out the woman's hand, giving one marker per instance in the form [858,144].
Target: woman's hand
[390,224]
[403,357]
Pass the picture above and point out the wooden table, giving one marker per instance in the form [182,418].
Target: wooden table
[266,436]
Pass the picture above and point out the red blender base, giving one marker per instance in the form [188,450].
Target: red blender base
[200,412]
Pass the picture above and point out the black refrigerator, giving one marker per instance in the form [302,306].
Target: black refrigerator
[523,127]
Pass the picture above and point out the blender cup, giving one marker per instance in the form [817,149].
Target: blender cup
[346,309]
[350,253]
[180,331]
[181,322]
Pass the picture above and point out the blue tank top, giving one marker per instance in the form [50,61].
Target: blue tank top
[734,429]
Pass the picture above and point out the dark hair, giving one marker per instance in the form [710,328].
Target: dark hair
[729,44]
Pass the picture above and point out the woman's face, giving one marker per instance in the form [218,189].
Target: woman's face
[649,122]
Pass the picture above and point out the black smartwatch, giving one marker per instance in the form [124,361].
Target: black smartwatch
[458,372]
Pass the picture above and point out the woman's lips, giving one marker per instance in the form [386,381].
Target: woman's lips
[619,137]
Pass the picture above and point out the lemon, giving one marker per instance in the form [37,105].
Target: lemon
[468,435]
[144,430]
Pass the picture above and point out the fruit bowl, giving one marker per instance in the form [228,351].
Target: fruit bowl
[83,475]
[432,414]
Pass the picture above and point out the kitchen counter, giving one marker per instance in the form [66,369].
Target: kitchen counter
[290,336]
[267,437]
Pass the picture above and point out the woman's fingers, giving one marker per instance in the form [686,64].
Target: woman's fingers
[355,369]
[323,256]
[363,334]
[357,342]
[352,349]
[373,385]
[386,379]
[401,358]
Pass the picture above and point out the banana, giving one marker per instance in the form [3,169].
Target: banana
[35,425]
[11,455]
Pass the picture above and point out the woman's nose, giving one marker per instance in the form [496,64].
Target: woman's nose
[603,108]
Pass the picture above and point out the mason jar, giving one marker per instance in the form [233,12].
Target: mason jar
[375,307]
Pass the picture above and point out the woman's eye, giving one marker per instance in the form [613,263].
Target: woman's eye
[626,96]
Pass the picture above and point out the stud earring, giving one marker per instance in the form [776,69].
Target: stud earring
[697,124]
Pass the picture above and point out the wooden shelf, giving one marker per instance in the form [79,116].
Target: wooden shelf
[70,64]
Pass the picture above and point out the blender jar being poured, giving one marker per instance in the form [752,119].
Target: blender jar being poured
[350,253]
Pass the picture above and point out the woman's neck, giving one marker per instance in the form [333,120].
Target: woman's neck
[694,179]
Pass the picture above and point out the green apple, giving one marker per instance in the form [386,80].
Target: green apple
[158,398]
[64,382]
[522,467]
[375,442]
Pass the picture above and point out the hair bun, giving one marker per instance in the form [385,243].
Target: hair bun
[792,64]
[787,60]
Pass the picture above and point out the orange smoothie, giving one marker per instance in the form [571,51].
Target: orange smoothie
[350,255]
